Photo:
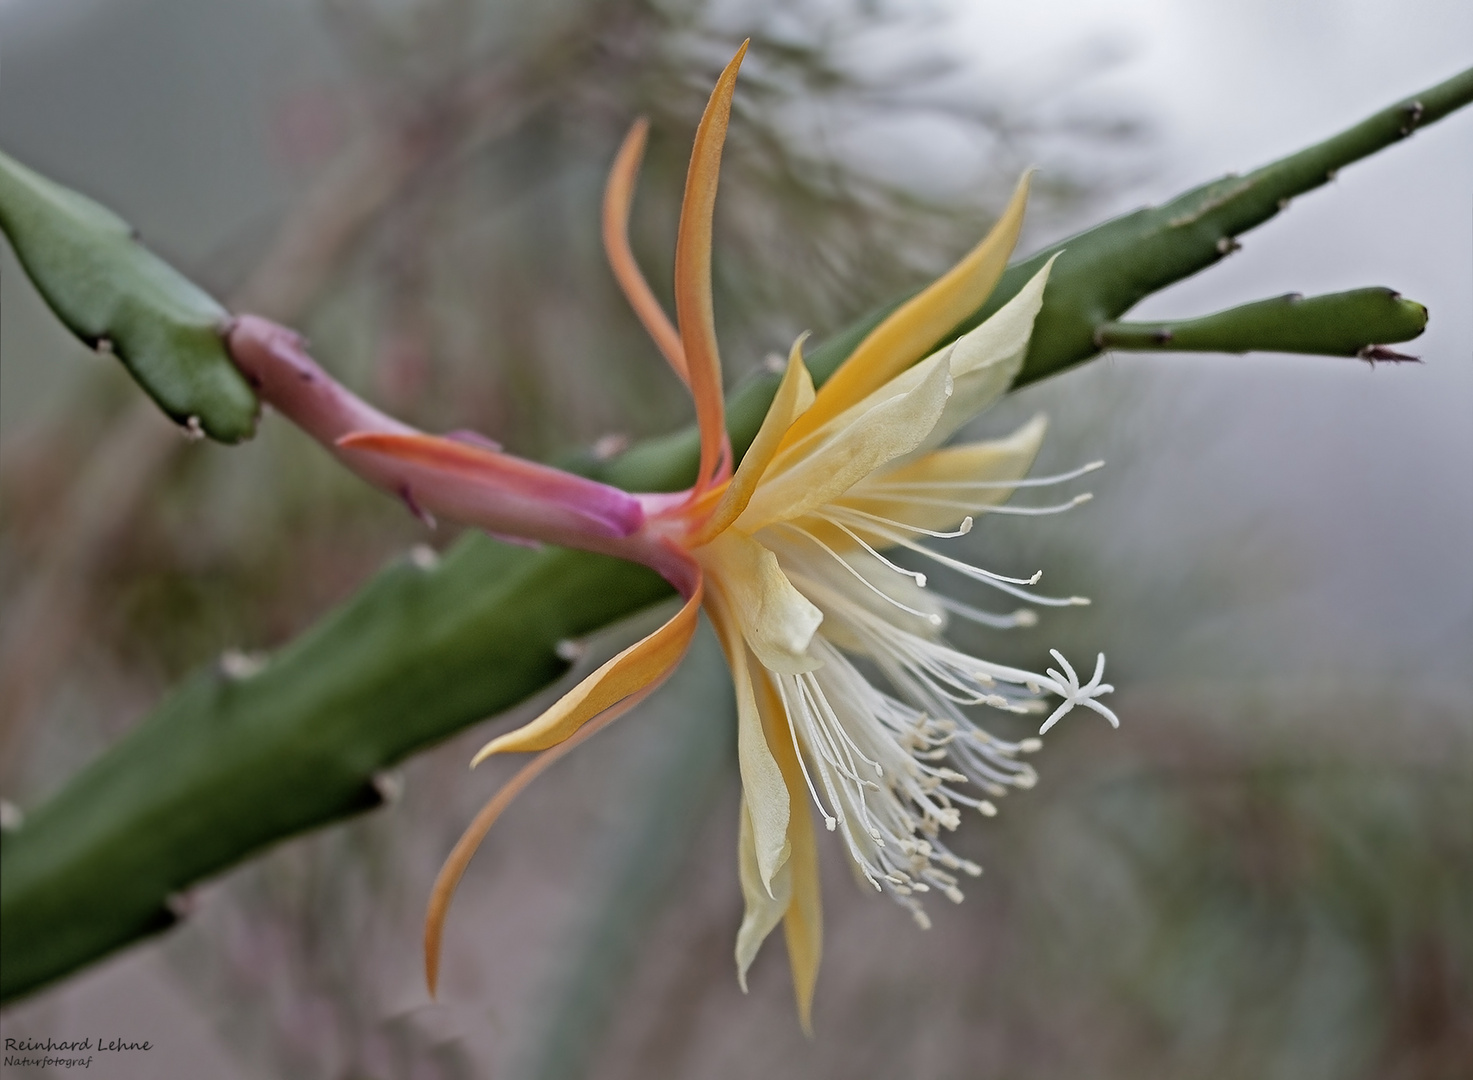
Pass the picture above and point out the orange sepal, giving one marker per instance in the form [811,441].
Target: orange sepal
[693,308]
[465,848]
[618,196]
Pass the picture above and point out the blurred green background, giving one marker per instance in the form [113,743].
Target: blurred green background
[1268,871]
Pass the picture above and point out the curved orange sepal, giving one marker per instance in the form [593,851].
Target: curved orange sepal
[618,196]
[465,848]
[694,313]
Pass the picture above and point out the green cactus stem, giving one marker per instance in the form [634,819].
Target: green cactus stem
[1114,266]
[120,298]
[1358,323]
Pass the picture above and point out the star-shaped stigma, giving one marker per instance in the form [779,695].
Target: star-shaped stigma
[1074,694]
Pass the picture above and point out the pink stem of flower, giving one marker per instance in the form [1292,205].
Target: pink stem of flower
[274,360]
[502,494]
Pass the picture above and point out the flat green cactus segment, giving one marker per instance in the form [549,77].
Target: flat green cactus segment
[1339,324]
[228,765]
[117,296]
[233,761]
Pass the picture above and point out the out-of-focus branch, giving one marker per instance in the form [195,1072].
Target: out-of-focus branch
[43,622]
[46,620]
[353,191]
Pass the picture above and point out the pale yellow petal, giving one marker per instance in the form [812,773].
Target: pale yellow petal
[765,793]
[803,921]
[766,902]
[809,475]
[985,361]
[918,324]
[646,662]
[763,790]
[983,364]
[776,620]
[803,924]
[794,395]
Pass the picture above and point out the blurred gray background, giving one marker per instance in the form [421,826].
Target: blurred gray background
[1266,872]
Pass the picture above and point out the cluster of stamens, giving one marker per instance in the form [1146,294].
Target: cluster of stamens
[892,772]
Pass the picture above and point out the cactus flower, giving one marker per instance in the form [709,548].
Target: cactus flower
[789,553]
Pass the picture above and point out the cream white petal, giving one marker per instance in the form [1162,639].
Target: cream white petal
[985,361]
[764,791]
[764,909]
[883,428]
[776,619]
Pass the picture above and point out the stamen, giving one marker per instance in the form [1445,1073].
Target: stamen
[1021,617]
[826,757]
[828,819]
[931,762]
[817,709]
[849,511]
[929,616]
[1002,508]
[919,578]
[830,715]
[956,564]
[1036,481]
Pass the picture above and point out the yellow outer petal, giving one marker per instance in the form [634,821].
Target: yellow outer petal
[776,620]
[803,924]
[794,395]
[821,469]
[982,362]
[918,324]
[766,904]
[644,663]
[803,921]
[693,310]
[764,794]
[465,848]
